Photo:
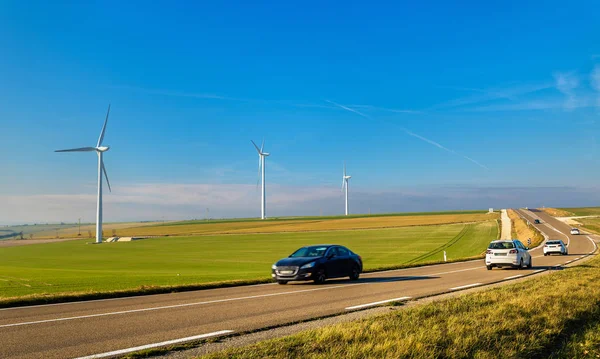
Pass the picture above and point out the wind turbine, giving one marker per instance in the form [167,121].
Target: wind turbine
[261,167]
[99,149]
[345,180]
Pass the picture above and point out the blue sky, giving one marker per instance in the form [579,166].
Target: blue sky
[451,105]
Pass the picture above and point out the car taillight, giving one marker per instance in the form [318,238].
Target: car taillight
[489,251]
[512,251]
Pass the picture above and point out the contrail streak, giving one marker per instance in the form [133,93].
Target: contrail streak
[410,133]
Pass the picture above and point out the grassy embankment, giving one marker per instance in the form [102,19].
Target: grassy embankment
[590,224]
[521,231]
[74,269]
[558,212]
[553,316]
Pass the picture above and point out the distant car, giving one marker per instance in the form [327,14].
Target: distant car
[555,246]
[507,253]
[318,263]
[575,231]
[537,221]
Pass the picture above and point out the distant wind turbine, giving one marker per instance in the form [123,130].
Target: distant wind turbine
[261,169]
[345,180]
[99,149]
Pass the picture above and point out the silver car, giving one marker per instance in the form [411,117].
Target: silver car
[507,253]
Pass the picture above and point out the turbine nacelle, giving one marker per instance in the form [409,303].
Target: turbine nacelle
[102,148]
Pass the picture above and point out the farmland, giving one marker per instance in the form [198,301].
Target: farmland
[78,267]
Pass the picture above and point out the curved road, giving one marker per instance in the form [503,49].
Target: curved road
[105,328]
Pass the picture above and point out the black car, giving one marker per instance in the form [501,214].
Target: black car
[317,263]
[537,221]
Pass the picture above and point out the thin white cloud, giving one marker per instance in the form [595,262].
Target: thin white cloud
[567,83]
[350,109]
[488,95]
[444,148]
[386,109]
[410,133]
[207,96]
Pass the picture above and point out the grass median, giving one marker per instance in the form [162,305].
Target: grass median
[556,315]
[522,231]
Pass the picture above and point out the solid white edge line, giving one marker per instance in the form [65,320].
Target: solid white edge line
[539,270]
[377,303]
[156,345]
[466,286]
[514,276]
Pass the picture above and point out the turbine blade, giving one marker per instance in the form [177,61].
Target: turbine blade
[255,146]
[344,168]
[262,147]
[106,176]
[101,138]
[81,149]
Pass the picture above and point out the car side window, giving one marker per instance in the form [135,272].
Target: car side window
[342,252]
[519,245]
[332,252]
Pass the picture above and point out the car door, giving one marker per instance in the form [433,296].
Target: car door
[345,260]
[333,263]
[524,253]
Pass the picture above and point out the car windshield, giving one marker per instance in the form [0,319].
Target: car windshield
[314,251]
[501,245]
[553,242]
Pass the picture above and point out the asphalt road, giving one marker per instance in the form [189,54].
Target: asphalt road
[80,329]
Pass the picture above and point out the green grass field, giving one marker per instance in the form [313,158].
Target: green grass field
[583,211]
[593,224]
[77,267]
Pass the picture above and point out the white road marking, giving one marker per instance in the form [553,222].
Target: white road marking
[568,262]
[466,286]
[156,345]
[178,305]
[514,276]
[539,270]
[377,303]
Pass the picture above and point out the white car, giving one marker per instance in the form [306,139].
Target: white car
[507,253]
[574,231]
[555,246]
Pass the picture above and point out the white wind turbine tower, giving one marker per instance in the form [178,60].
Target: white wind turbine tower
[99,149]
[261,170]
[345,180]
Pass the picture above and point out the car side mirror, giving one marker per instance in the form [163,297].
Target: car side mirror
[330,256]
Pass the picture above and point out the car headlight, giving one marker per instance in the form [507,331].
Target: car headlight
[308,265]
[273,267]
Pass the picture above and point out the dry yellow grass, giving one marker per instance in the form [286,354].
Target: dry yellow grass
[555,212]
[278,226]
[521,231]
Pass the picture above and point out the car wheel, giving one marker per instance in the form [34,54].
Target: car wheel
[545,254]
[320,277]
[521,264]
[530,264]
[282,282]
[489,267]
[354,273]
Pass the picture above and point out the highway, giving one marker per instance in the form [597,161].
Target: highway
[81,329]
